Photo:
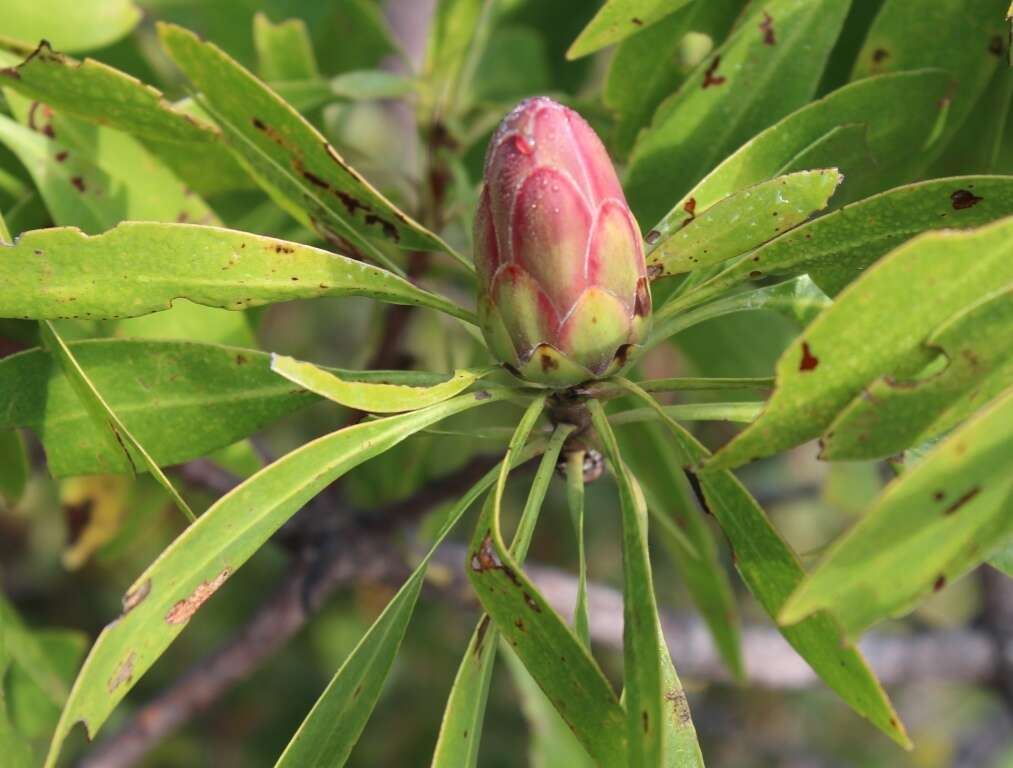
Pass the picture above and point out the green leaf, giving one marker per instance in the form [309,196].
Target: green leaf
[368,84]
[141,267]
[162,600]
[849,344]
[87,175]
[100,94]
[551,744]
[643,644]
[32,712]
[71,25]
[553,655]
[654,463]
[284,50]
[458,34]
[104,417]
[617,20]
[649,66]
[183,399]
[742,221]
[798,299]
[743,87]
[945,34]
[891,135]
[372,397]
[291,159]
[771,571]
[575,502]
[891,415]
[930,526]
[744,412]
[333,726]
[837,248]
[5,235]
[22,647]
[13,466]
[461,727]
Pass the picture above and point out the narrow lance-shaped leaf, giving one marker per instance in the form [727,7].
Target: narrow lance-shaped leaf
[742,221]
[461,728]
[767,68]
[102,415]
[799,299]
[373,397]
[837,248]
[182,399]
[141,267]
[740,411]
[894,414]
[890,136]
[575,501]
[458,35]
[674,517]
[164,598]
[74,25]
[284,50]
[95,92]
[553,655]
[617,20]
[771,571]
[333,726]
[642,641]
[649,66]
[298,163]
[13,466]
[930,526]
[849,345]
[945,34]
[551,742]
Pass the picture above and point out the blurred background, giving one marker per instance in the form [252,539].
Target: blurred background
[69,548]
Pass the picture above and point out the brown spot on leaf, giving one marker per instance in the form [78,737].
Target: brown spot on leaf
[637,22]
[642,301]
[690,208]
[519,623]
[938,496]
[939,583]
[549,363]
[241,360]
[483,627]
[61,155]
[652,237]
[756,273]
[767,28]
[389,230]
[710,77]
[78,183]
[964,198]
[880,55]
[184,610]
[315,180]
[995,45]
[809,360]
[970,494]
[10,72]
[485,557]
[351,203]
[531,603]
[124,673]
[281,248]
[647,721]
[482,394]
[677,698]
[135,597]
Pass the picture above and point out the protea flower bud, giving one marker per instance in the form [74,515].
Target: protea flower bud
[563,291]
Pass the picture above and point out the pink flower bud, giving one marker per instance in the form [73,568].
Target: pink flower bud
[563,291]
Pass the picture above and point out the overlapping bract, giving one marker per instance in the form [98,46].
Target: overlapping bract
[564,295]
